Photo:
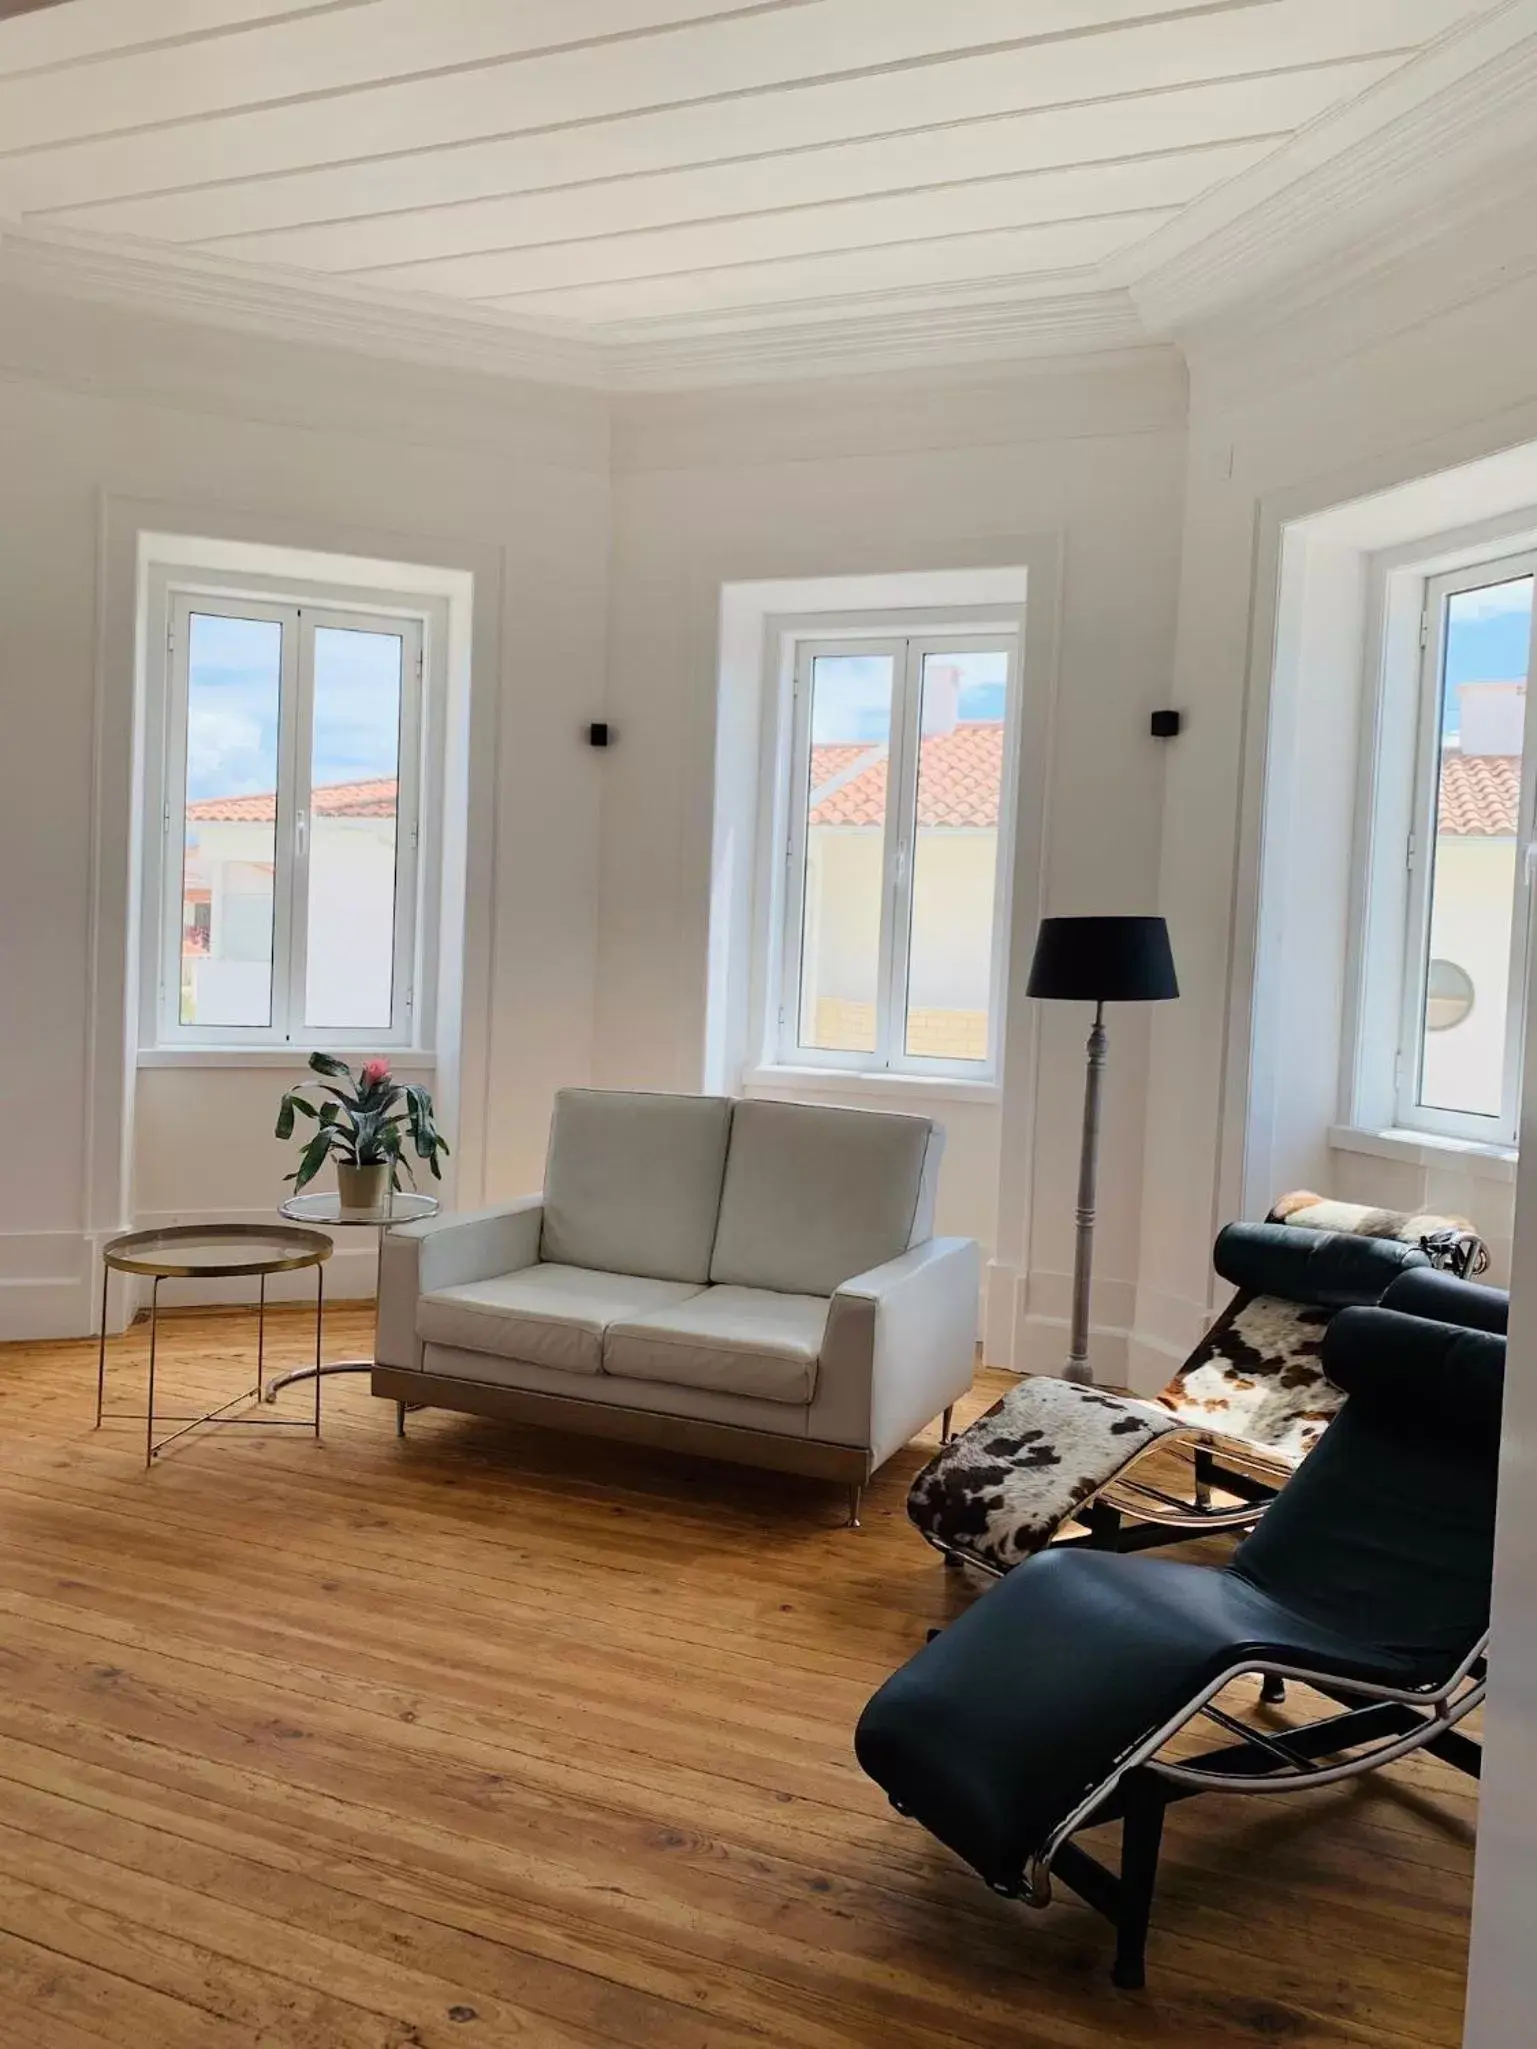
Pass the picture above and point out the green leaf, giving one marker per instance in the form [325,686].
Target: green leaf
[286,1108]
[314,1156]
[327,1063]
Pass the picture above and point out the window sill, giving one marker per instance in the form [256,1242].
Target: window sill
[854,1081]
[404,1060]
[1428,1149]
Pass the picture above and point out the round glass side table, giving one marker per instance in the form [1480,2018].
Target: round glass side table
[326,1208]
[211,1252]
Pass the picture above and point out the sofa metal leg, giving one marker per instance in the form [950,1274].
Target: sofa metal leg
[400,1419]
[1141,1840]
[947,1424]
[1272,1689]
[856,1493]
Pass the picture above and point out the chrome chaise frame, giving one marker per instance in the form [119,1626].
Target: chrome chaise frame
[1391,1722]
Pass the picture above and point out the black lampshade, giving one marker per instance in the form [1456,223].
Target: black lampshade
[1103,960]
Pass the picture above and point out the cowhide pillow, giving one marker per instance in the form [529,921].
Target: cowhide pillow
[1451,1243]
[1000,1490]
[1257,1376]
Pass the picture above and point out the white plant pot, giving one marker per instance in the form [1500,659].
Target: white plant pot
[364,1191]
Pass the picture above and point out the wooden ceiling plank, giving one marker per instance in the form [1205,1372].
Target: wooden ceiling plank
[683,140]
[81,31]
[743,58]
[330,50]
[1033,199]
[998,146]
[1065,251]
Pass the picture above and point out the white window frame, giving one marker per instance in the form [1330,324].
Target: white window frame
[172,599]
[908,646]
[1501,1129]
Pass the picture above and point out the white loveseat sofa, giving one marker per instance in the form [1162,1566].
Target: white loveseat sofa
[754,1281]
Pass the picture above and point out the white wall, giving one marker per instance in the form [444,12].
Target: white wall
[883,476]
[1274,436]
[108,419]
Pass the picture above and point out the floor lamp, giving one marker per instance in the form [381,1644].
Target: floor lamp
[1098,961]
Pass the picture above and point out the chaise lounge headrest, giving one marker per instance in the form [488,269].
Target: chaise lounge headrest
[1334,1269]
[1445,1299]
[1437,1382]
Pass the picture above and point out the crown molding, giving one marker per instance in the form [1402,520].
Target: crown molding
[1475,243]
[1459,112]
[290,305]
[874,332]
[990,320]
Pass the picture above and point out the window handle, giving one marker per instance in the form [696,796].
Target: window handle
[301,832]
[1529,863]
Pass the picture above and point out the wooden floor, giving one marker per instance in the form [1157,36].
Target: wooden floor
[492,1737]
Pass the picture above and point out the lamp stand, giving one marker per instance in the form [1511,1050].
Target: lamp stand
[1077,1367]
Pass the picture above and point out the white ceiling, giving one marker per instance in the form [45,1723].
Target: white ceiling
[628,170]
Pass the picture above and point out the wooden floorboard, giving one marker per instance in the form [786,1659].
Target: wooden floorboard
[494,1736]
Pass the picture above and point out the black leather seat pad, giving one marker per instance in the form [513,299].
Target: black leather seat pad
[992,1734]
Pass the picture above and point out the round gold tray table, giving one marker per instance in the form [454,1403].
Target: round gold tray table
[212,1252]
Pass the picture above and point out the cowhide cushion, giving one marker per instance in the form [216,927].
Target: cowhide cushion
[1001,1490]
[1452,1243]
[1257,1376]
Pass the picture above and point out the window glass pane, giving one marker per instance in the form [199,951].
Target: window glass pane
[1473,880]
[955,855]
[845,851]
[354,808]
[234,680]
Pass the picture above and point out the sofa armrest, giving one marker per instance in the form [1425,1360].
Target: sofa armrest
[900,1346]
[445,1252]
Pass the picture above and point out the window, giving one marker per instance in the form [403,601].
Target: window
[897,820]
[1469,878]
[286,886]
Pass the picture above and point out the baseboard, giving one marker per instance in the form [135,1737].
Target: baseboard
[1041,1347]
[44,1286]
[50,1281]
[34,1308]
[1000,1291]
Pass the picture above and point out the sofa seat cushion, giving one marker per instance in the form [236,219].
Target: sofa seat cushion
[549,1315]
[743,1341]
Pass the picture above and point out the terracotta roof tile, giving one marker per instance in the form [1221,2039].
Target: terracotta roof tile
[959,775]
[374,799]
[1480,795]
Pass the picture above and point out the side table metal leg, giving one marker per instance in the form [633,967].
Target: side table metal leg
[149,1406]
[400,1419]
[261,1331]
[320,1319]
[101,1346]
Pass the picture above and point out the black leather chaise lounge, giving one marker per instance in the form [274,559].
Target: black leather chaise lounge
[1054,1703]
[1228,1431]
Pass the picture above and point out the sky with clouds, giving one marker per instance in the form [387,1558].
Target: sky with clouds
[851,694]
[233,705]
[1488,638]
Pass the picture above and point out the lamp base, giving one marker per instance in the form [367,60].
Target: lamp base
[1079,1373]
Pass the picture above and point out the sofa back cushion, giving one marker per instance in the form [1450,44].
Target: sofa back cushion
[632,1183]
[814,1196]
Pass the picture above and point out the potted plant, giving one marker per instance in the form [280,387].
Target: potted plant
[365,1125]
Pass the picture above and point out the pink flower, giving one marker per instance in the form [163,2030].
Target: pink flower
[374,1072]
